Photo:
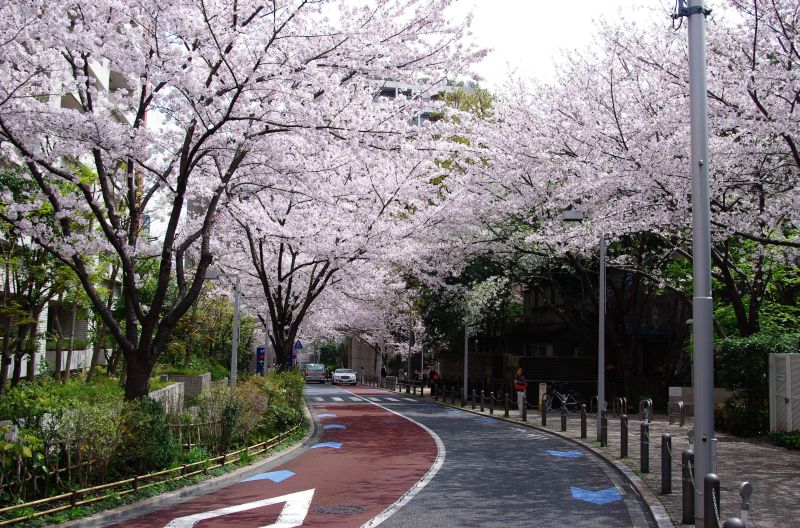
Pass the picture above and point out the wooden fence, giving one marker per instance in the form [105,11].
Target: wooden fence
[86,496]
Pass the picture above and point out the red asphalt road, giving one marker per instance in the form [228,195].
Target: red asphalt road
[382,456]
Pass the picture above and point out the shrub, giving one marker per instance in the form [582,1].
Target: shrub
[146,444]
[788,440]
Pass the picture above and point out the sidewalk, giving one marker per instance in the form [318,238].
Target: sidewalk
[773,471]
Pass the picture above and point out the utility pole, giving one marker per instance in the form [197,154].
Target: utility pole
[601,336]
[466,361]
[705,449]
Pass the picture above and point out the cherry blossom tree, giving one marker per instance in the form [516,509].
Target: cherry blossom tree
[118,111]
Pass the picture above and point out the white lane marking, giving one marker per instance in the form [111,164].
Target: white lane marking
[393,399]
[293,514]
[336,398]
[409,399]
[319,398]
[441,454]
[356,398]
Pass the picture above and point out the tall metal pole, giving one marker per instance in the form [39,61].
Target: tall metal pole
[466,361]
[601,336]
[410,330]
[702,308]
[235,337]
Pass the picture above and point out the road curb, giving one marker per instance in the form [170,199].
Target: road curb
[657,509]
[143,507]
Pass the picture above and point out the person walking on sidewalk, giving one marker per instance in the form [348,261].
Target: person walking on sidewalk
[383,377]
[362,374]
[521,386]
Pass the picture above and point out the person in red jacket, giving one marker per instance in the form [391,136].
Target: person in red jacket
[521,386]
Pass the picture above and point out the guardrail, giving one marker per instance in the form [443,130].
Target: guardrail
[73,499]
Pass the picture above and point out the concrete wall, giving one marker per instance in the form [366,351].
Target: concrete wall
[192,385]
[171,397]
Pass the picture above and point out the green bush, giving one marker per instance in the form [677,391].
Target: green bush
[742,365]
[788,440]
[146,444]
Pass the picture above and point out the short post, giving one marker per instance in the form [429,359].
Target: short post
[734,522]
[474,397]
[710,501]
[644,433]
[433,392]
[687,485]
[745,491]
[505,402]
[483,399]
[524,408]
[408,387]
[563,418]
[544,416]
[583,420]
[666,464]
[491,403]
[623,436]
[452,395]
[604,428]
[463,397]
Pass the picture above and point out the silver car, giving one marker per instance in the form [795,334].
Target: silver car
[344,376]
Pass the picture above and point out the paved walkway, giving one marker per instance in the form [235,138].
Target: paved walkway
[773,471]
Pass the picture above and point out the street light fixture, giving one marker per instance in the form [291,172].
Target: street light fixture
[214,274]
[576,215]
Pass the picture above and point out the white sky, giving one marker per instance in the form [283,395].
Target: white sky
[527,35]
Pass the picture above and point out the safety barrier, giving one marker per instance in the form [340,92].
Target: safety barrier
[675,410]
[646,409]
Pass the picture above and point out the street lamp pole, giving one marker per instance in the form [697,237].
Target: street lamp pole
[601,336]
[702,305]
[466,361]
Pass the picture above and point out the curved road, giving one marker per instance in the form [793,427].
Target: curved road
[380,458]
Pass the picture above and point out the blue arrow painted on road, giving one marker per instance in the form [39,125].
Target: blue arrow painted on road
[486,420]
[335,445]
[274,476]
[334,426]
[565,454]
[327,416]
[599,497]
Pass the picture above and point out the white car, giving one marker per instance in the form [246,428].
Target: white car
[344,376]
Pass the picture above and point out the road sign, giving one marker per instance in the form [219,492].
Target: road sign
[261,355]
[298,345]
[293,514]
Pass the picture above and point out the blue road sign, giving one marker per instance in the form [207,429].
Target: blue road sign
[298,345]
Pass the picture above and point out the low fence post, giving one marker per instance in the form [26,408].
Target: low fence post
[544,416]
[474,397]
[623,436]
[452,395]
[463,397]
[687,486]
[505,403]
[644,433]
[483,399]
[491,403]
[745,491]
[583,420]
[666,464]
[604,428]
[563,418]
[710,501]
[734,522]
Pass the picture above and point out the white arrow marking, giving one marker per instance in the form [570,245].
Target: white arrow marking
[293,513]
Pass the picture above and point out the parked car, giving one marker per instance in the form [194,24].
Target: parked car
[315,372]
[344,376]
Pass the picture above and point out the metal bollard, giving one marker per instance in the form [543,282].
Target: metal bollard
[687,485]
[544,416]
[491,403]
[583,420]
[604,428]
[452,395]
[710,501]
[483,399]
[745,491]
[474,397]
[524,408]
[734,522]
[408,387]
[463,397]
[505,402]
[666,464]
[563,418]
[433,392]
[623,436]
[644,464]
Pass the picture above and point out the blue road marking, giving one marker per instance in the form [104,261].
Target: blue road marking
[565,454]
[599,497]
[334,426]
[274,476]
[486,420]
[334,445]
[327,415]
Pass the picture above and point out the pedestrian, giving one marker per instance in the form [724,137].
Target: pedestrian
[401,375]
[383,376]
[362,374]
[521,386]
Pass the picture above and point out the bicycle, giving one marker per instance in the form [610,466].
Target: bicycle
[569,398]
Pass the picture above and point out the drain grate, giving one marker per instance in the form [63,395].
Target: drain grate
[627,489]
[339,509]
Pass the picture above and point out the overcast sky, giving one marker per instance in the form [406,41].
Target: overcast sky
[527,35]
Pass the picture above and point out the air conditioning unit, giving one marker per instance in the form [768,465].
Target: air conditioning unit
[784,392]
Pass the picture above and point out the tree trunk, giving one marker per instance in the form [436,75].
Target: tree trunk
[5,360]
[137,383]
[71,348]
